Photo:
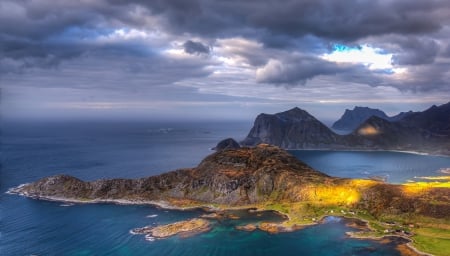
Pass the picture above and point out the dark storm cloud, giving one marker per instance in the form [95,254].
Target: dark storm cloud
[415,51]
[276,23]
[193,47]
[44,33]
[339,20]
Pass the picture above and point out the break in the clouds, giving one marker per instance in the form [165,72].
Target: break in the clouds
[241,53]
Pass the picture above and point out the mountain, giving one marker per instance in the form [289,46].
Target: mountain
[427,131]
[351,119]
[378,133]
[294,128]
[265,176]
[435,120]
[400,116]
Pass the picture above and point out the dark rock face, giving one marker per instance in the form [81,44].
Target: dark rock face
[227,144]
[354,118]
[294,128]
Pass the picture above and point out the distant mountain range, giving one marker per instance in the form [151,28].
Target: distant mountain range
[351,119]
[427,131]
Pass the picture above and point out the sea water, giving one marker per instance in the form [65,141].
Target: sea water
[31,150]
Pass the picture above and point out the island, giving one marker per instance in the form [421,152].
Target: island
[183,228]
[266,177]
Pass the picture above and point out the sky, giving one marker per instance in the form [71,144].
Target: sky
[220,60]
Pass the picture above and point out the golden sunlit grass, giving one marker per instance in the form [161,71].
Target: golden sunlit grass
[416,188]
[333,195]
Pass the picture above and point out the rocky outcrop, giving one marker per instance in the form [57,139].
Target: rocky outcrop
[294,128]
[183,228]
[229,143]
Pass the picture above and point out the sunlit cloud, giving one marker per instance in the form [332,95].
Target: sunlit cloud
[372,58]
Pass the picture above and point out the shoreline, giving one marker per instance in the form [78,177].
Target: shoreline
[210,208]
[369,150]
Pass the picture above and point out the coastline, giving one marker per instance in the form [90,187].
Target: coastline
[271,227]
[369,150]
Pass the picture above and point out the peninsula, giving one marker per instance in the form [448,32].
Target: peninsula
[266,177]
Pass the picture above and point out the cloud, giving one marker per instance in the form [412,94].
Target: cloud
[322,18]
[234,48]
[415,51]
[193,47]
[295,70]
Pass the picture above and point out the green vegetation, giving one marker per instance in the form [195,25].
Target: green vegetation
[436,241]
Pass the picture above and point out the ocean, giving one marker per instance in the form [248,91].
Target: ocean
[98,150]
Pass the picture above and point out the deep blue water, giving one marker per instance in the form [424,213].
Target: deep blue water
[395,167]
[30,151]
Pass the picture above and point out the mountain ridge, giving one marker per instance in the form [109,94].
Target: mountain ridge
[351,119]
[427,131]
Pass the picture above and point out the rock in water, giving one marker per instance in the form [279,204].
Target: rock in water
[192,226]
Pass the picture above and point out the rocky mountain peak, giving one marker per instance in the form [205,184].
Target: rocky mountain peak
[295,115]
[294,128]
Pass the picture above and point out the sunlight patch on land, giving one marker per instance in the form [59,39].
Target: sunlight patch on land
[414,188]
[368,130]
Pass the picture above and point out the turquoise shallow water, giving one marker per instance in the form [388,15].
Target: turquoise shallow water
[105,150]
